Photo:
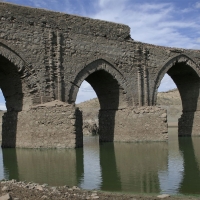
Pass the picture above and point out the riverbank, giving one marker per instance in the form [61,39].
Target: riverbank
[13,190]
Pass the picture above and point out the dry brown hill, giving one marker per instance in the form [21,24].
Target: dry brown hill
[169,100]
[1,114]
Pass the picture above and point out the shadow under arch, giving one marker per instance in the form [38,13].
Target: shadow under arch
[14,81]
[184,72]
[191,181]
[109,85]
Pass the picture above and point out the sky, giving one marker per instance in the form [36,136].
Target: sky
[174,23]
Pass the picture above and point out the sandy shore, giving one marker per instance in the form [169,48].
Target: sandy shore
[32,191]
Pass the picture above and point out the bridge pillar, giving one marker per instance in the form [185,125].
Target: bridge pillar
[189,124]
[133,124]
[51,125]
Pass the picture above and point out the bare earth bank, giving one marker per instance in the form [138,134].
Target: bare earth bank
[32,191]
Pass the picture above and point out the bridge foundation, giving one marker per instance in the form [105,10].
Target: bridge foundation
[189,124]
[133,124]
[59,125]
[51,125]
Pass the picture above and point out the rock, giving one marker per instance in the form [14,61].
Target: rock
[54,188]
[95,197]
[162,196]
[45,185]
[5,188]
[90,127]
[75,188]
[164,115]
[44,197]
[39,187]
[6,197]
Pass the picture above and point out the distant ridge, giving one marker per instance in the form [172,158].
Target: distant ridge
[169,100]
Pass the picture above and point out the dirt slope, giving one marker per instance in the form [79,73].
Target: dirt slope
[169,100]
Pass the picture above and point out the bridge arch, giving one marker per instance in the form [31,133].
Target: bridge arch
[109,85]
[13,83]
[16,79]
[177,60]
[107,82]
[185,74]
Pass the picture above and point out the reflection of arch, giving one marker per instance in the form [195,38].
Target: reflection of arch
[169,64]
[23,68]
[92,67]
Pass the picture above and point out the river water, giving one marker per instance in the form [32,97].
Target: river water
[171,167]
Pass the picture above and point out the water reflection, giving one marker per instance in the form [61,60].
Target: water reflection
[191,179]
[2,174]
[10,164]
[196,148]
[159,167]
[110,178]
[55,167]
[171,178]
[138,165]
[92,171]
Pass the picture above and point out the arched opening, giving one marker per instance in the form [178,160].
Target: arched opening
[2,111]
[103,78]
[2,102]
[88,103]
[16,99]
[168,97]
[11,85]
[183,72]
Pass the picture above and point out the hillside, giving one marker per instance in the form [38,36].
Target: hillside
[169,100]
[1,114]
[90,111]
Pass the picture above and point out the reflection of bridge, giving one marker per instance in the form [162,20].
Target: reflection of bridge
[44,58]
[112,166]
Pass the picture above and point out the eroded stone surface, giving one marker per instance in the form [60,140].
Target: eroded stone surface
[45,56]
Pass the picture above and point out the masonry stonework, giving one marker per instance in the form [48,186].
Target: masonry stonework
[45,56]
[142,124]
[50,125]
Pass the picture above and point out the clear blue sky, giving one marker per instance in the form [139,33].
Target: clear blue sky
[163,22]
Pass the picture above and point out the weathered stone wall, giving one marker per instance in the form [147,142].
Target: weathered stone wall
[133,124]
[50,54]
[58,48]
[51,125]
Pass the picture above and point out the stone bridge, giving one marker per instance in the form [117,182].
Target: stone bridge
[44,58]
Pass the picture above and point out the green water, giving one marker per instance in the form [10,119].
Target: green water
[157,167]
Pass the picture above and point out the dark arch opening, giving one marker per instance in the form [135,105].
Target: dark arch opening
[12,86]
[108,90]
[111,97]
[187,82]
